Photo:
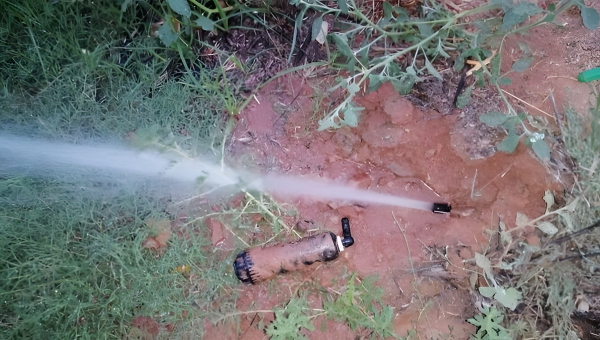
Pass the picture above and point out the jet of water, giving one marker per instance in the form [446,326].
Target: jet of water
[36,157]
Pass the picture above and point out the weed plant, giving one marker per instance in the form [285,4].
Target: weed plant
[551,282]
[518,125]
[420,40]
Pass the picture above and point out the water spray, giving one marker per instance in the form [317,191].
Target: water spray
[35,156]
[262,263]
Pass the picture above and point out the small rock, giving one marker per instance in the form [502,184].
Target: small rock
[216,231]
[400,110]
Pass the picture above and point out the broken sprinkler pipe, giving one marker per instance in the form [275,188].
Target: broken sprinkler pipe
[441,208]
[263,263]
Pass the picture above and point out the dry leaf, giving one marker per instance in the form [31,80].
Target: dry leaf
[322,33]
[473,279]
[162,229]
[183,269]
[549,199]
[163,238]
[522,220]
[150,243]
[548,228]
[582,304]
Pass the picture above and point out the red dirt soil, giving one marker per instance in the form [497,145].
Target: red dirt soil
[400,150]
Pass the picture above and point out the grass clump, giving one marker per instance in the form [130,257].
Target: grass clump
[72,264]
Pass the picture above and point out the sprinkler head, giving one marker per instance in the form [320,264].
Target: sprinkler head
[441,208]
[347,241]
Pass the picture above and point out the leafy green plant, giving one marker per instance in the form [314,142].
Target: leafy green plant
[290,320]
[488,325]
[423,39]
[181,17]
[541,277]
[433,35]
[519,125]
[360,306]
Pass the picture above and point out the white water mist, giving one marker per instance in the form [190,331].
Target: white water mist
[38,157]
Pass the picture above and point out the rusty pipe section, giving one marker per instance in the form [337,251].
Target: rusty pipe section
[263,263]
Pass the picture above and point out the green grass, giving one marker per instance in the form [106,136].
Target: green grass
[72,264]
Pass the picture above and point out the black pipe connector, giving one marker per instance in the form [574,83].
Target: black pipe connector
[441,208]
[347,241]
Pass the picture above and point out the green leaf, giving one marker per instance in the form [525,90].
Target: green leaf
[493,118]
[488,323]
[522,63]
[343,6]
[125,4]
[480,78]
[205,23]
[504,81]
[404,84]
[549,17]
[590,17]
[487,291]
[387,9]
[518,13]
[402,14]
[432,70]
[393,70]
[495,68]
[360,306]
[375,81]
[353,88]
[541,149]
[425,29]
[317,27]
[464,98]
[180,7]
[440,49]
[290,320]
[341,41]
[166,34]
[484,263]
[509,144]
[351,115]
[547,227]
[509,297]
[459,63]
[524,47]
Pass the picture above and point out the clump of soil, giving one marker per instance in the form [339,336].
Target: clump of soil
[400,150]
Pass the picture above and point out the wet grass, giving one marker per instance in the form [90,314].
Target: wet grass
[72,263]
